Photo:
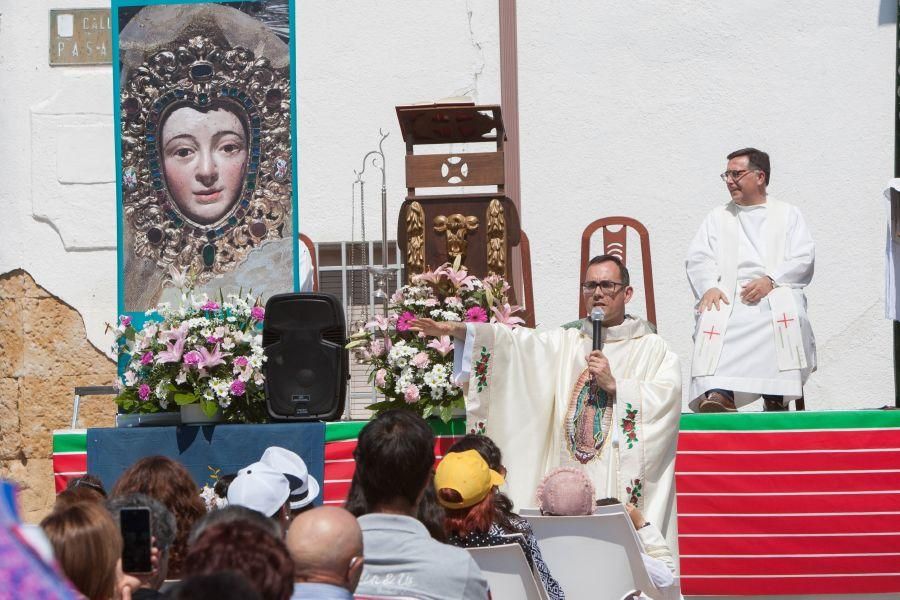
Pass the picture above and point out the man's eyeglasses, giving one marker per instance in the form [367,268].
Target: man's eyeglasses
[606,286]
[735,176]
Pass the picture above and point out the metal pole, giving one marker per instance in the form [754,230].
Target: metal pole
[897,174]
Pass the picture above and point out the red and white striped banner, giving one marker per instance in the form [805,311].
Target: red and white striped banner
[789,503]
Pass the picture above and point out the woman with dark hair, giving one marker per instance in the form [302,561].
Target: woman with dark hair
[88,547]
[247,549]
[169,482]
[482,515]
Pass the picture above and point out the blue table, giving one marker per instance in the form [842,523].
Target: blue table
[226,447]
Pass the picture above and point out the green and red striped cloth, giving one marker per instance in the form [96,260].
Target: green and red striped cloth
[340,441]
[69,456]
[789,503]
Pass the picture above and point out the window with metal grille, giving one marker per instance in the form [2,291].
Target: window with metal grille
[343,272]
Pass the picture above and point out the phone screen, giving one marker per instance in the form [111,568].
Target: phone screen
[135,526]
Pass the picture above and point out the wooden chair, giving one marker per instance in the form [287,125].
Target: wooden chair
[312,255]
[507,572]
[528,300]
[615,243]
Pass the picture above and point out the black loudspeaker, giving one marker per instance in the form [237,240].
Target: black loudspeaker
[307,367]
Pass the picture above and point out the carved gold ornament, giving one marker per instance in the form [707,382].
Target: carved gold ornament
[456,227]
[415,238]
[199,75]
[496,233]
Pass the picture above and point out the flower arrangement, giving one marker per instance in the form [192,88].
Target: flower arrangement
[411,370]
[204,352]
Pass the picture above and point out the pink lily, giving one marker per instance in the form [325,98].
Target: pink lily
[459,278]
[443,345]
[172,353]
[427,277]
[379,322]
[212,359]
[503,314]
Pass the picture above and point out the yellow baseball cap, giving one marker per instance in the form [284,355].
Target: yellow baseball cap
[468,474]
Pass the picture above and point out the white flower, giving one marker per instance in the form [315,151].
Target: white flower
[163,403]
[256,361]
[130,378]
[449,315]
[181,377]
[227,343]
[258,379]
[436,313]
[221,387]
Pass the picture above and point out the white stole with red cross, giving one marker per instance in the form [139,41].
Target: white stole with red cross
[713,323]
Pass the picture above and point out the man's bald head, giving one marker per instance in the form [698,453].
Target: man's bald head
[326,545]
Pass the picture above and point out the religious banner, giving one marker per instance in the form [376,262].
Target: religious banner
[205,156]
[789,503]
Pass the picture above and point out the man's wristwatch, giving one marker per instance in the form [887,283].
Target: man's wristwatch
[646,523]
[772,281]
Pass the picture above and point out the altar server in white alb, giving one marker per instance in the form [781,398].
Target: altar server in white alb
[548,400]
[748,266]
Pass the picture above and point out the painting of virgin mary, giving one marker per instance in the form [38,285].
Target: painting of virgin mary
[205,115]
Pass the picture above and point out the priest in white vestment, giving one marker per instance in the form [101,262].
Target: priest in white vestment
[548,400]
[748,266]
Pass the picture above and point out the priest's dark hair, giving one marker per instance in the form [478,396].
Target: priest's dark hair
[623,270]
[757,159]
[394,458]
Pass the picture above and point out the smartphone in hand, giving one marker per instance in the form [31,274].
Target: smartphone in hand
[135,526]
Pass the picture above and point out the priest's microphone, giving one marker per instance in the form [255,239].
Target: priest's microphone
[597,317]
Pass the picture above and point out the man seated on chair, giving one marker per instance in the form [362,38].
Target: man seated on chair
[748,266]
[394,464]
[553,401]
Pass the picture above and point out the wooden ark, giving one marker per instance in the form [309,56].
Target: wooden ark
[483,227]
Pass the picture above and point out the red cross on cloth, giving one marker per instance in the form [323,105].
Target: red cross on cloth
[712,331]
[784,320]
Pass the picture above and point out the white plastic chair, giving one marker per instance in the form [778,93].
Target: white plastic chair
[596,555]
[508,573]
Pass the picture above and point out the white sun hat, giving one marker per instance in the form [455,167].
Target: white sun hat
[260,487]
[304,487]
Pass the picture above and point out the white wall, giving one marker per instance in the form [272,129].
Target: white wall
[626,108]
[630,108]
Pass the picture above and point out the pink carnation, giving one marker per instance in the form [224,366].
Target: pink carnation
[257,313]
[241,361]
[380,376]
[125,320]
[476,314]
[411,394]
[420,360]
[144,392]
[147,358]
[210,305]
[238,388]
[192,358]
[404,320]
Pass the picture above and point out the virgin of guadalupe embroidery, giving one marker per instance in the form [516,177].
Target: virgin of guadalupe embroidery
[588,420]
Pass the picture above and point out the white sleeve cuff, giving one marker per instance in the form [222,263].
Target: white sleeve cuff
[462,356]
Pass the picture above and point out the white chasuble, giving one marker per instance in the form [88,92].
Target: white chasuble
[530,392]
[768,347]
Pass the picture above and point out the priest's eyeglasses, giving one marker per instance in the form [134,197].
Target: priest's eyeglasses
[606,286]
[735,176]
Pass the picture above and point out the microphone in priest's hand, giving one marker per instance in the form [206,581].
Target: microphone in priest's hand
[597,317]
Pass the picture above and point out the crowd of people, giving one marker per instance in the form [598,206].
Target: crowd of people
[402,532]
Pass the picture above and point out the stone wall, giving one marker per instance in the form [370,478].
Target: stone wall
[44,354]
